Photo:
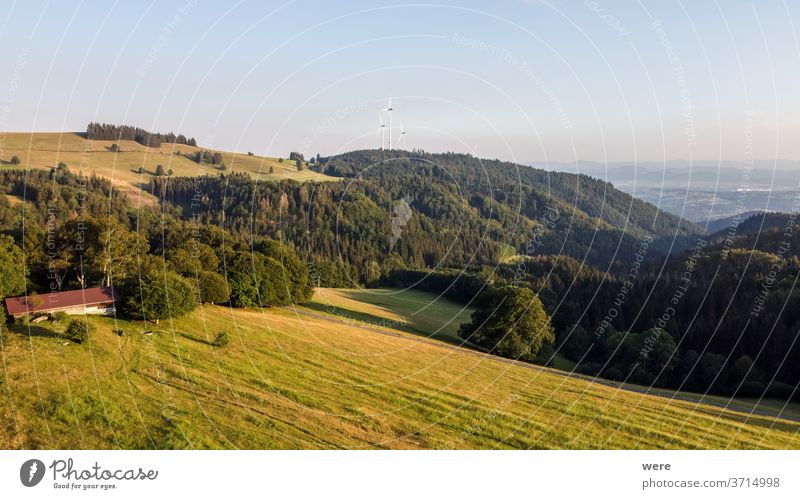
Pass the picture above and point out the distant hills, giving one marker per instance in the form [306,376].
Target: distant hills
[701,191]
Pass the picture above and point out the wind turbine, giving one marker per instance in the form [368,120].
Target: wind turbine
[402,136]
[381,129]
[388,109]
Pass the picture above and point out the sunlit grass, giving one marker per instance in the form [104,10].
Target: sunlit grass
[46,150]
[291,380]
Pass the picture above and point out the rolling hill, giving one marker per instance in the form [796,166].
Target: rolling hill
[305,378]
[353,368]
[46,150]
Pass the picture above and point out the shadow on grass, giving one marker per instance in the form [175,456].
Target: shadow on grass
[34,331]
[365,320]
[195,339]
[759,418]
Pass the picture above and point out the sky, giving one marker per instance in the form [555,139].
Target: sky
[543,81]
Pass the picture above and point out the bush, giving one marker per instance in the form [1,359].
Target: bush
[256,280]
[213,288]
[78,331]
[781,391]
[15,160]
[221,339]
[58,316]
[156,293]
[510,322]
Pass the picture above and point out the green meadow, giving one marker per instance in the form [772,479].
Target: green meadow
[351,370]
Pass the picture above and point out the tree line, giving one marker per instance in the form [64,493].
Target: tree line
[105,131]
[76,231]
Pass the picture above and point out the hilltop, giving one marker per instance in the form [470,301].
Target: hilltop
[42,150]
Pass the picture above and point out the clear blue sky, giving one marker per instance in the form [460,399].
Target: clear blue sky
[524,80]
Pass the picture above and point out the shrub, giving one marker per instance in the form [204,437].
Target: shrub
[15,160]
[510,322]
[156,293]
[78,331]
[58,316]
[221,339]
[213,288]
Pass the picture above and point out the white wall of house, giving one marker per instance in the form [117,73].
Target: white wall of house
[81,310]
[94,310]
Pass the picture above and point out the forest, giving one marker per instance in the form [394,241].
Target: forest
[624,290]
[78,231]
[104,131]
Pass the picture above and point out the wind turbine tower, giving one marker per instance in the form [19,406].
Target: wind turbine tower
[402,136]
[381,130]
[388,109]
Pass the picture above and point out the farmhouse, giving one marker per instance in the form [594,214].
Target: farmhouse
[80,301]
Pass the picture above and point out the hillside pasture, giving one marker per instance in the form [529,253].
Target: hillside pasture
[292,379]
[47,150]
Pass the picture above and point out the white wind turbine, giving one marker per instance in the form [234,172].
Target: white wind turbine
[402,136]
[381,129]
[388,109]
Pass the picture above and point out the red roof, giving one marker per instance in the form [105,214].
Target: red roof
[50,301]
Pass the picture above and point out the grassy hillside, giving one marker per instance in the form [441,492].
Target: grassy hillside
[416,312]
[45,150]
[301,378]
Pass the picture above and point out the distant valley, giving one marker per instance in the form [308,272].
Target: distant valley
[700,191]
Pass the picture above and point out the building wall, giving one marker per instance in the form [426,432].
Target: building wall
[81,310]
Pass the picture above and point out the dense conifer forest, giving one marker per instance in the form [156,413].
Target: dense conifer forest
[631,293]
[104,131]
